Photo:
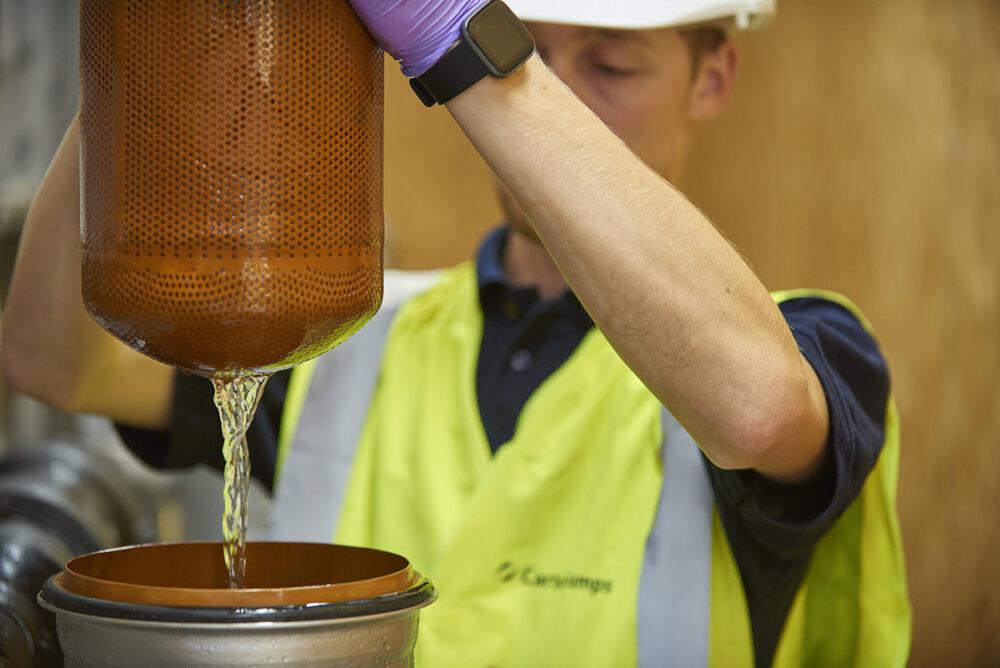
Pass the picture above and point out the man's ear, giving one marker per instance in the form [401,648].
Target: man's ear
[713,83]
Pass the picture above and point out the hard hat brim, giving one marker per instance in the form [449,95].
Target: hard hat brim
[643,14]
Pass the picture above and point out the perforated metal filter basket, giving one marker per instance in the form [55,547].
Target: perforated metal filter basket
[231,177]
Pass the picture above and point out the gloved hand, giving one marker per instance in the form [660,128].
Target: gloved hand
[415,32]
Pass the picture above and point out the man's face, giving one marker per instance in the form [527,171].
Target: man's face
[639,82]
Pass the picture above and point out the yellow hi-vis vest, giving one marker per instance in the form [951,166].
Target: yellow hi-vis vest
[590,539]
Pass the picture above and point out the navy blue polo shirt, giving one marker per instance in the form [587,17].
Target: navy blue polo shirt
[525,339]
[772,528]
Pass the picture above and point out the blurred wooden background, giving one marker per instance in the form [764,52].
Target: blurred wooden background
[861,154]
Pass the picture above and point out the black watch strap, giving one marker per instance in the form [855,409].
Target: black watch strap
[455,71]
[493,42]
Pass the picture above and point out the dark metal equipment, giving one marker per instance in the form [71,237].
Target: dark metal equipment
[57,501]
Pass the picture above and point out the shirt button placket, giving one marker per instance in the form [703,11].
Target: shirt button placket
[520,360]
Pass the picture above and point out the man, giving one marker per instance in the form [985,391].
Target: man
[512,444]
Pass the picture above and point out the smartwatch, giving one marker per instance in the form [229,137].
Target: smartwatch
[493,42]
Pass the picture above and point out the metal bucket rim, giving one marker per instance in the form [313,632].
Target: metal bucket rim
[56,599]
[111,574]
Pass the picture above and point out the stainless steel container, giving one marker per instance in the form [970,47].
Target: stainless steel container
[305,604]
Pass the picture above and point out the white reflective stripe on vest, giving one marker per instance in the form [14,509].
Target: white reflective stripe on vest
[675,590]
[323,447]
[676,583]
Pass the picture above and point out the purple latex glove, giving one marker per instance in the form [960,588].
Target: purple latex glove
[415,32]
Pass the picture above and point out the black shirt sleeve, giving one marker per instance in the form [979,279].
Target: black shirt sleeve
[195,436]
[773,528]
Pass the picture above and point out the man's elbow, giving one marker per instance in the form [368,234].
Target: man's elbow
[782,439]
[748,441]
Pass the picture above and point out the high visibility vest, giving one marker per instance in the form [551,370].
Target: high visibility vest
[590,539]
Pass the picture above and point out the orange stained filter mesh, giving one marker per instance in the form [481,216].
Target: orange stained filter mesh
[231,178]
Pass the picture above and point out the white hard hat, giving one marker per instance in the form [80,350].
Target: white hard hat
[637,14]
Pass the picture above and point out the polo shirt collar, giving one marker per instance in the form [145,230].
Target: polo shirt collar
[492,280]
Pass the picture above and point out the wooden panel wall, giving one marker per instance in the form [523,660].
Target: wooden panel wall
[869,162]
[438,192]
[861,154]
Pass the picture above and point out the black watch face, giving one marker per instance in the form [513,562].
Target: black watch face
[500,37]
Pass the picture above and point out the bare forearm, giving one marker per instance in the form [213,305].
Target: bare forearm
[51,348]
[670,294]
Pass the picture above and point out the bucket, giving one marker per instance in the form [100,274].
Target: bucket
[305,604]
